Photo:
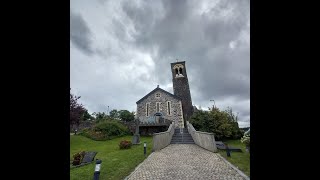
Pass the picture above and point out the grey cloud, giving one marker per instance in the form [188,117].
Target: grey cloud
[80,34]
[202,42]
[166,30]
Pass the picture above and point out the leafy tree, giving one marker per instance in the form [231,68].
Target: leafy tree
[125,115]
[86,116]
[233,120]
[100,116]
[114,114]
[222,123]
[76,110]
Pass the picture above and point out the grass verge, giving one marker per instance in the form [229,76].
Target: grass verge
[116,163]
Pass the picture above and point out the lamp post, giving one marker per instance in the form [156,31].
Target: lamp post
[214,103]
[227,150]
[145,148]
[97,170]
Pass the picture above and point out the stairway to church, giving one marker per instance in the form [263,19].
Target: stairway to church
[181,138]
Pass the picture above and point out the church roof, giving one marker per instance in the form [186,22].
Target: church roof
[174,96]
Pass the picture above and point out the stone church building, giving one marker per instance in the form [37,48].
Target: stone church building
[175,107]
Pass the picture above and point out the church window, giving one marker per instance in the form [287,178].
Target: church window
[180,70]
[158,106]
[147,109]
[157,95]
[169,107]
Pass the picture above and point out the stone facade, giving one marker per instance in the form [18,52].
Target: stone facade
[161,97]
[181,87]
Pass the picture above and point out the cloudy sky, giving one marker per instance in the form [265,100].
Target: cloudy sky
[120,50]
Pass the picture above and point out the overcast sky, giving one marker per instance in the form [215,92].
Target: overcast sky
[120,50]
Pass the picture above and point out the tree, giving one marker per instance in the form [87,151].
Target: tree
[114,114]
[125,115]
[76,110]
[100,116]
[233,120]
[86,116]
[222,123]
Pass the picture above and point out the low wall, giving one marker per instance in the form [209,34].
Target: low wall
[202,139]
[82,125]
[163,139]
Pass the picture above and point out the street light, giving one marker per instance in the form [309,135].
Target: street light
[145,149]
[214,103]
[227,150]
[97,170]
[237,116]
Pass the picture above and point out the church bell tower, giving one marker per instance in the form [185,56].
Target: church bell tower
[181,87]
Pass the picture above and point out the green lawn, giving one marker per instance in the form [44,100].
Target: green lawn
[238,159]
[116,163]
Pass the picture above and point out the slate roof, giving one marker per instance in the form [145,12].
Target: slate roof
[156,89]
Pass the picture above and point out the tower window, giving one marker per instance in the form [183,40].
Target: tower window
[178,69]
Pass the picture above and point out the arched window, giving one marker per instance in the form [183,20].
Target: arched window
[178,69]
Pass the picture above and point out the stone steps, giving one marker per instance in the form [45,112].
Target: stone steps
[182,142]
[180,135]
[181,138]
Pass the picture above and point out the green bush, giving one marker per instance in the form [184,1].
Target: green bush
[246,138]
[223,124]
[77,158]
[105,130]
[125,144]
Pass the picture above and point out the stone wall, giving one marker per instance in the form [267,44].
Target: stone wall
[176,108]
[203,139]
[163,139]
[82,125]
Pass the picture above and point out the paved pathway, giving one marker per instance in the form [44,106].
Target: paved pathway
[184,161]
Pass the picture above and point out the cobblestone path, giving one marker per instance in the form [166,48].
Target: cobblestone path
[184,161]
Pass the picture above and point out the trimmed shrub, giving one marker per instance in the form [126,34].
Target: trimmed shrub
[111,128]
[105,130]
[125,144]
